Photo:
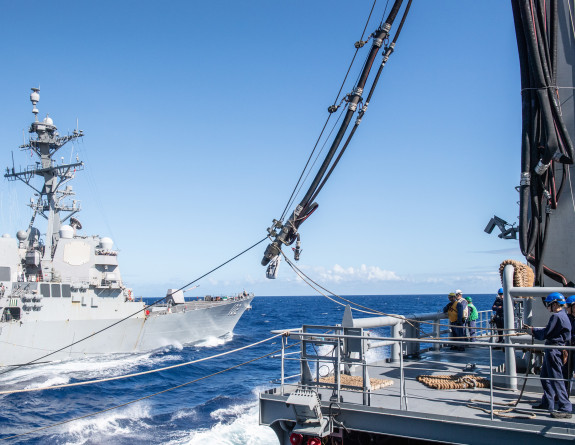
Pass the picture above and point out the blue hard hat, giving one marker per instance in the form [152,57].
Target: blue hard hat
[571,300]
[500,291]
[555,297]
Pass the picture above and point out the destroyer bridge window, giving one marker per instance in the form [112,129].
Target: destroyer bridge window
[66,291]
[45,290]
[56,291]
[10,314]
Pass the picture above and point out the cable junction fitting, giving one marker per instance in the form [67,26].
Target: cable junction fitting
[525,178]
[541,167]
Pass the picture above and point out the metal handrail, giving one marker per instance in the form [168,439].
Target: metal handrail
[338,361]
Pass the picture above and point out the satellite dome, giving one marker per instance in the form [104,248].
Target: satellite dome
[106,243]
[66,232]
[21,235]
[48,120]
[6,235]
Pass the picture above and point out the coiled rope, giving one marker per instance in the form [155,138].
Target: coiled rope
[453,381]
[523,275]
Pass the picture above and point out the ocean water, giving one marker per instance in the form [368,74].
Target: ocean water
[220,409]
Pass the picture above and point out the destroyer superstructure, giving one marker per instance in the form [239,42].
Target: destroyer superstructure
[59,288]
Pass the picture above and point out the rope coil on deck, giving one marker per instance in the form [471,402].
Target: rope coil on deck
[503,412]
[453,381]
[523,275]
[357,381]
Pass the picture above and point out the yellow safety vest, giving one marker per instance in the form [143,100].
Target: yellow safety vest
[452,312]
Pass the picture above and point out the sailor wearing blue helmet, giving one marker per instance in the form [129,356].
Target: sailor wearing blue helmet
[556,333]
[570,309]
[497,309]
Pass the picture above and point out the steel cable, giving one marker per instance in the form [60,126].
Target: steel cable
[141,398]
[131,315]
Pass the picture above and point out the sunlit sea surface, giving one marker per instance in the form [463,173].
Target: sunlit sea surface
[221,409]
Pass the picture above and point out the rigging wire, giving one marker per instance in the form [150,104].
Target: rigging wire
[383,15]
[135,313]
[36,430]
[295,189]
[287,233]
[386,55]
[314,162]
[369,310]
[137,374]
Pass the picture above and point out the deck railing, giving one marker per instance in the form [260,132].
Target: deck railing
[346,352]
[346,346]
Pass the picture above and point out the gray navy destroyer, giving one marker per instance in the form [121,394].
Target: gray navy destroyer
[431,388]
[60,288]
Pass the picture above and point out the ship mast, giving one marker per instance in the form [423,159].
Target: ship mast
[49,205]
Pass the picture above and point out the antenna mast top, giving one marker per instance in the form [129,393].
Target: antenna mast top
[34,98]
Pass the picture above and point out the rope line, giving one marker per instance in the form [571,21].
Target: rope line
[135,313]
[503,412]
[139,399]
[301,274]
[299,183]
[137,374]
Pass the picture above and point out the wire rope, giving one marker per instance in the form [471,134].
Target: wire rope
[295,189]
[137,374]
[36,430]
[375,311]
[315,160]
[133,314]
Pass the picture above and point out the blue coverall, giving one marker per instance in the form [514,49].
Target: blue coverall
[557,333]
[498,318]
[459,330]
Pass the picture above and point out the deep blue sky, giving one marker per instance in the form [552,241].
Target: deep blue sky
[199,117]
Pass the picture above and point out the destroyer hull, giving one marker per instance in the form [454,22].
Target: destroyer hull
[24,341]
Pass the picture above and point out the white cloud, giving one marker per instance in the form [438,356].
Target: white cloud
[339,274]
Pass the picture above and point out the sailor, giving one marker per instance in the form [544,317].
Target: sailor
[451,298]
[451,310]
[556,333]
[462,314]
[472,319]
[497,308]
[570,309]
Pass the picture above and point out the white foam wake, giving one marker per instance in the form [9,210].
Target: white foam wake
[107,426]
[39,376]
[212,342]
[244,430]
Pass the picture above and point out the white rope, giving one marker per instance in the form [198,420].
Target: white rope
[571,18]
[151,371]
[570,186]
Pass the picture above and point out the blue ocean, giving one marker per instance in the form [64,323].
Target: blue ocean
[219,409]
